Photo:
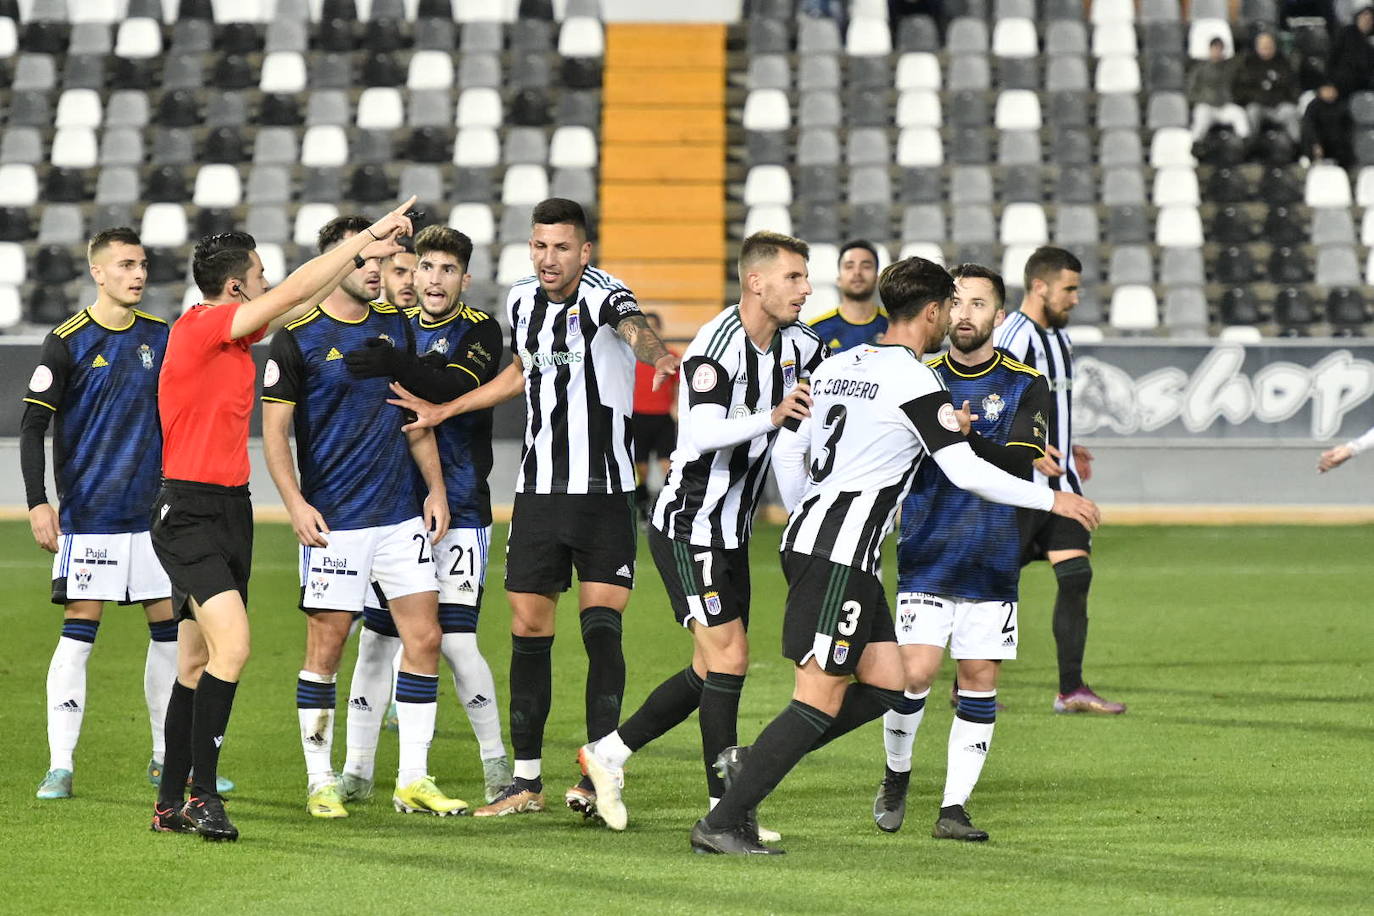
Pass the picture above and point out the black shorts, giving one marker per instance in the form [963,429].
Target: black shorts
[707,584]
[653,433]
[551,534]
[1042,532]
[203,536]
[833,612]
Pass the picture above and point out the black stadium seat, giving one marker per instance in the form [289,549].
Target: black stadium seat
[1294,311]
[429,144]
[46,36]
[370,185]
[339,9]
[212,221]
[383,36]
[165,265]
[335,36]
[1228,186]
[1284,226]
[53,265]
[223,144]
[1289,265]
[233,72]
[196,9]
[1346,310]
[279,110]
[178,108]
[530,108]
[237,38]
[49,305]
[1280,186]
[166,184]
[383,69]
[1231,226]
[1239,306]
[66,186]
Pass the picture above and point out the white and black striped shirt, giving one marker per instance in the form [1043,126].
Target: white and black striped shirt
[579,386]
[877,412]
[1049,352]
[710,495]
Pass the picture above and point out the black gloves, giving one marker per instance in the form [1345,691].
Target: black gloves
[377,358]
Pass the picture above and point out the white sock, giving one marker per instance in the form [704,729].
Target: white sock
[416,705]
[317,730]
[968,750]
[527,769]
[159,673]
[66,699]
[368,697]
[899,732]
[613,750]
[476,691]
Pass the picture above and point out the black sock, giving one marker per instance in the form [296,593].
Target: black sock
[214,701]
[780,746]
[176,763]
[670,703]
[862,704]
[1075,576]
[601,632]
[719,721]
[531,693]
[642,499]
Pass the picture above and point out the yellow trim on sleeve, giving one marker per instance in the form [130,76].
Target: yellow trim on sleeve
[1029,445]
[278,400]
[142,314]
[1019,366]
[467,370]
[71,327]
[40,403]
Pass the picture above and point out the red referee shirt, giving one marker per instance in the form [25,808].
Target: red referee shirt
[647,400]
[205,396]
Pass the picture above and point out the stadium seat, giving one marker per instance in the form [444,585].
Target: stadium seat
[1332,226]
[1076,225]
[1164,38]
[1327,186]
[923,223]
[972,224]
[921,185]
[918,34]
[1175,185]
[767,110]
[1181,267]
[818,109]
[1013,266]
[970,184]
[1024,224]
[531,36]
[268,224]
[1167,109]
[1283,225]
[369,184]
[164,225]
[867,146]
[138,39]
[1015,38]
[228,109]
[434,70]
[869,73]
[919,108]
[380,108]
[1337,267]
[813,73]
[869,185]
[1122,186]
[1280,186]
[1294,311]
[767,36]
[14,265]
[1289,265]
[30,109]
[120,146]
[1065,37]
[476,147]
[918,147]
[217,185]
[581,36]
[1234,265]
[526,145]
[74,148]
[1071,146]
[1116,74]
[330,107]
[1185,312]
[1240,307]
[309,218]
[1159,11]
[1114,39]
[167,184]
[817,36]
[774,147]
[1017,109]
[1178,225]
[1118,111]
[22,144]
[573,147]
[1346,309]
[969,71]
[918,71]
[818,223]
[1133,308]
[11,307]
[1200,35]
[928,250]
[283,71]
[966,35]
[867,37]
[324,145]
[1018,147]
[524,184]
[767,184]
[1131,265]
[183,71]
[1172,147]
[772,71]
[1119,149]
[1164,73]
[1128,225]
[62,224]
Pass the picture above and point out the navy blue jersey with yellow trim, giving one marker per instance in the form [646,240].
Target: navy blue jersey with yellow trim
[841,334]
[469,341]
[953,542]
[107,443]
[355,463]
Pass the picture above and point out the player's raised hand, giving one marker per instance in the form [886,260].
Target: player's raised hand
[795,405]
[1049,465]
[308,524]
[395,223]
[1330,459]
[1079,508]
[46,530]
[436,516]
[965,418]
[426,414]
[665,367]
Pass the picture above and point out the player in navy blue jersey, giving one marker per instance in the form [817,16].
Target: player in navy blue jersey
[96,382]
[360,517]
[959,557]
[859,318]
[457,348]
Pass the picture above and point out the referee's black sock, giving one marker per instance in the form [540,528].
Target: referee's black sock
[670,703]
[778,749]
[1075,576]
[642,500]
[531,693]
[719,721]
[213,703]
[862,704]
[601,635]
[176,762]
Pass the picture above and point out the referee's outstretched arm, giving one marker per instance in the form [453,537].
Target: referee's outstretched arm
[312,280]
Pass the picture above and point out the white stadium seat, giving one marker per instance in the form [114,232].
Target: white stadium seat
[1112,11]
[9,37]
[823,264]
[164,226]
[273,262]
[1134,308]
[868,36]
[919,108]
[74,148]
[573,147]
[767,184]
[1015,38]
[217,185]
[1172,147]
[1114,39]
[309,219]
[928,250]
[1241,333]
[11,309]
[1327,186]
[1117,74]
[920,146]
[475,221]
[1017,109]
[1024,224]
[1179,226]
[430,70]
[581,36]
[324,146]
[13,264]
[918,70]
[1014,260]
[138,39]
[1175,184]
[1366,229]
[1364,187]
[767,109]
[284,72]
[477,147]
[525,184]
[18,185]
[78,108]
[380,108]
[514,263]
[483,11]
[773,217]
[479,107]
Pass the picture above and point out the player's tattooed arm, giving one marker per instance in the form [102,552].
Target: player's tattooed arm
[648,347]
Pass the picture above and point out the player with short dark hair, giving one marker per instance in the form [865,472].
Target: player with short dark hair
[959,558]
[202,520]
[398,278]
[575,334]
[457,348]
[97,378]
[1035,336]
[361,515]
[745,375]
[858,318]
[877,412]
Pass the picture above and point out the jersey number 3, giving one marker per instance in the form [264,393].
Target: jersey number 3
[834,422]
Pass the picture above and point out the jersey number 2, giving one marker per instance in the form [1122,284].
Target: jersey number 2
[424,547]
[834,422]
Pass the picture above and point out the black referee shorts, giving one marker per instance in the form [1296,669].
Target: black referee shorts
[203,536]
[707,584]
[1042,532]
[551,534]
[653,434]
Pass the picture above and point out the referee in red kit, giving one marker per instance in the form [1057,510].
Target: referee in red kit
[202,522]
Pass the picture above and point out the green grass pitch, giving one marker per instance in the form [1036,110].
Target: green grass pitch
[1240,780]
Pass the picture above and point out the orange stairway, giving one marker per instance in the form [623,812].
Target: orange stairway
[663,169]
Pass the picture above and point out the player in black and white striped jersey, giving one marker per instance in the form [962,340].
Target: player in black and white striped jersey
[877,413]
[1035,336]
[575,335]
[744,375]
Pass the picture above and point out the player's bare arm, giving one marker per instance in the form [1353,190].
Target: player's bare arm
[306,521]
[1083,460]
[648,347]
[508,383]
[307,281]
[424,448]
[1333,458]
[1049,465]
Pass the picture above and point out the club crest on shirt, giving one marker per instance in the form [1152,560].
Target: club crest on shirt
[387,338]
[712,602]
[789,374]
[574,328]
[440,346]
[992,406]
[841,651]
[145,356]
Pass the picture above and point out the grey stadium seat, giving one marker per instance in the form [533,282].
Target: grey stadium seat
[331,71]
[1181,267]
[183,71]
[525,145]
[817,183]
[1123,186]
[1118,111]
[1023,184]
[871,221]
[924,223]
[479,70]
[970,184]
[1069,109]
[869,185]
[966,35]
[771,147]
[819,72]
[968,108]
[818,109]
[1185,311]
[1128,224]
[268,184]
[1075,185]
[768,36]
[1018,73]
[918,34]
[968,71]
[1067,73]
[1332,226]
[276,146]
[1065,37]
[869,73]
[22,145]
[972,224]
[121,146]
[1071,145]
[227,109]
[173,146]
[287,35]
[817,223]
[61,224]
[968,145]
[867,146]
[1076,224]
[429,108]
[815,146]
[1119,148]
[118,184]
[268,224]
[771,71]
[868,108]
[1167,109]
[329,106]
[575,184]
[371,146]
[1131,264]
[424,181]
[922,185]
[818,36]
[478,37]
[132,105]
[1018,147]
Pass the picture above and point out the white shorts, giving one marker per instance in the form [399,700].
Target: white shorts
[971,629]
[108,567]
[337,578]
[462,559]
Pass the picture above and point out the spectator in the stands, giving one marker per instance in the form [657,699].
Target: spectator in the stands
[1267,86]
[1209,91]
[1351,66]
[1327,128]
